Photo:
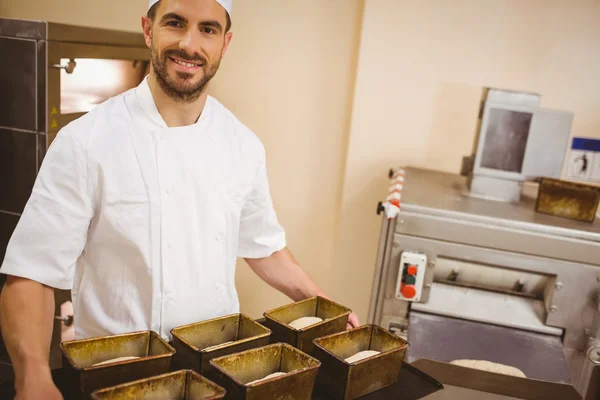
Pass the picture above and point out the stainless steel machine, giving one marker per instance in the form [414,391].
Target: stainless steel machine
[517,140]
[52,74]
[465,277]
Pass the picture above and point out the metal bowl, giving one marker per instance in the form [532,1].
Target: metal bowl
[79,357]
[236,372]
[196,344]
[335,319]
[180,385]
[343,380]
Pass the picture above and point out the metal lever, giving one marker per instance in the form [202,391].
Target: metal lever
[69,68]
[68,320]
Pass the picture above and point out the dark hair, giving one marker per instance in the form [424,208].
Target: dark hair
[152,15]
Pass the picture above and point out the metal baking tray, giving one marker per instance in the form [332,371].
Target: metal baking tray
[334,315]
[343,380]
[192,342]
[572,200]
[79,357]
[180,385]
[234,372]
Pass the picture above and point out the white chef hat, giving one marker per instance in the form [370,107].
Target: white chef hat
[227,4]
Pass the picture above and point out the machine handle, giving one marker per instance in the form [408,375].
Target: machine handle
[68,320]
[69,68]
[380,208]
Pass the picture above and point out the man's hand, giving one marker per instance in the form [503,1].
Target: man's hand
[39,391]
[37,386]
[282,272]
[353,321]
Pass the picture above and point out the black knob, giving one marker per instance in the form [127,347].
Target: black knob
[391,173]
[380,208]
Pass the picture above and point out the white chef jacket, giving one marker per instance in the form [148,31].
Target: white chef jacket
[144,222]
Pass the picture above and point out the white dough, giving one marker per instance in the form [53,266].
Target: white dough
[304,322]
[361,355]
[114,360]
[490,366]
[274,375]
[216,345]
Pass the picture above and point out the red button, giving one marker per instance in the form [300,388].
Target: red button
[409,291]
[412,270]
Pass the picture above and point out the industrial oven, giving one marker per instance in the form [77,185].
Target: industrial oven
[52,74]
[469,278]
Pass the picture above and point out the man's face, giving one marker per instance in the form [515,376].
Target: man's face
[187,40]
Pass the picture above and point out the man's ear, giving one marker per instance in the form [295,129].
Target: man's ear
[147,29]
[228,37]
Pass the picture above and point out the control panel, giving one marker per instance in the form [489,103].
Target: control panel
[411,275]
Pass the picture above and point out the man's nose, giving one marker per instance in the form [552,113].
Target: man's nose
[190,42]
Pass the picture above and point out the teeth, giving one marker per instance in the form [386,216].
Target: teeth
[190,65]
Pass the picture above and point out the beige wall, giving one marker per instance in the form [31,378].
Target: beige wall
[421,69]
[290,76]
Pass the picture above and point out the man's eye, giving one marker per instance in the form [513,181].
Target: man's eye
[174,24]
[209,31]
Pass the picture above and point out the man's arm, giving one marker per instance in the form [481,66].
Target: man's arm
[282,272]
[41,254]
[26,321]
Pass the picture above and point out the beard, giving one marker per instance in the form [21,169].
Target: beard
[181,88]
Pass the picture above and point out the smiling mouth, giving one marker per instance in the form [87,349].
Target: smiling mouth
[184,63]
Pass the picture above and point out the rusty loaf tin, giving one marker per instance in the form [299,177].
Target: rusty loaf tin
[80,357]
[180,385]
[335,319]
[345,380]
[237,373]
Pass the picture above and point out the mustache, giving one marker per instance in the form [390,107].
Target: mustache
[182,54]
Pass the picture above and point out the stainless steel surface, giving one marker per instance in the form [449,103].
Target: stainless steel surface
[516,139]
[444,195]
[492,188]
[578,280]
[475,304]
[446,339]
[511,281]
[455,392]
[504,249]
[381,252]
[488,382]
[547,143]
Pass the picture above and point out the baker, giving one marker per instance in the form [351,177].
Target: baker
[142,206]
